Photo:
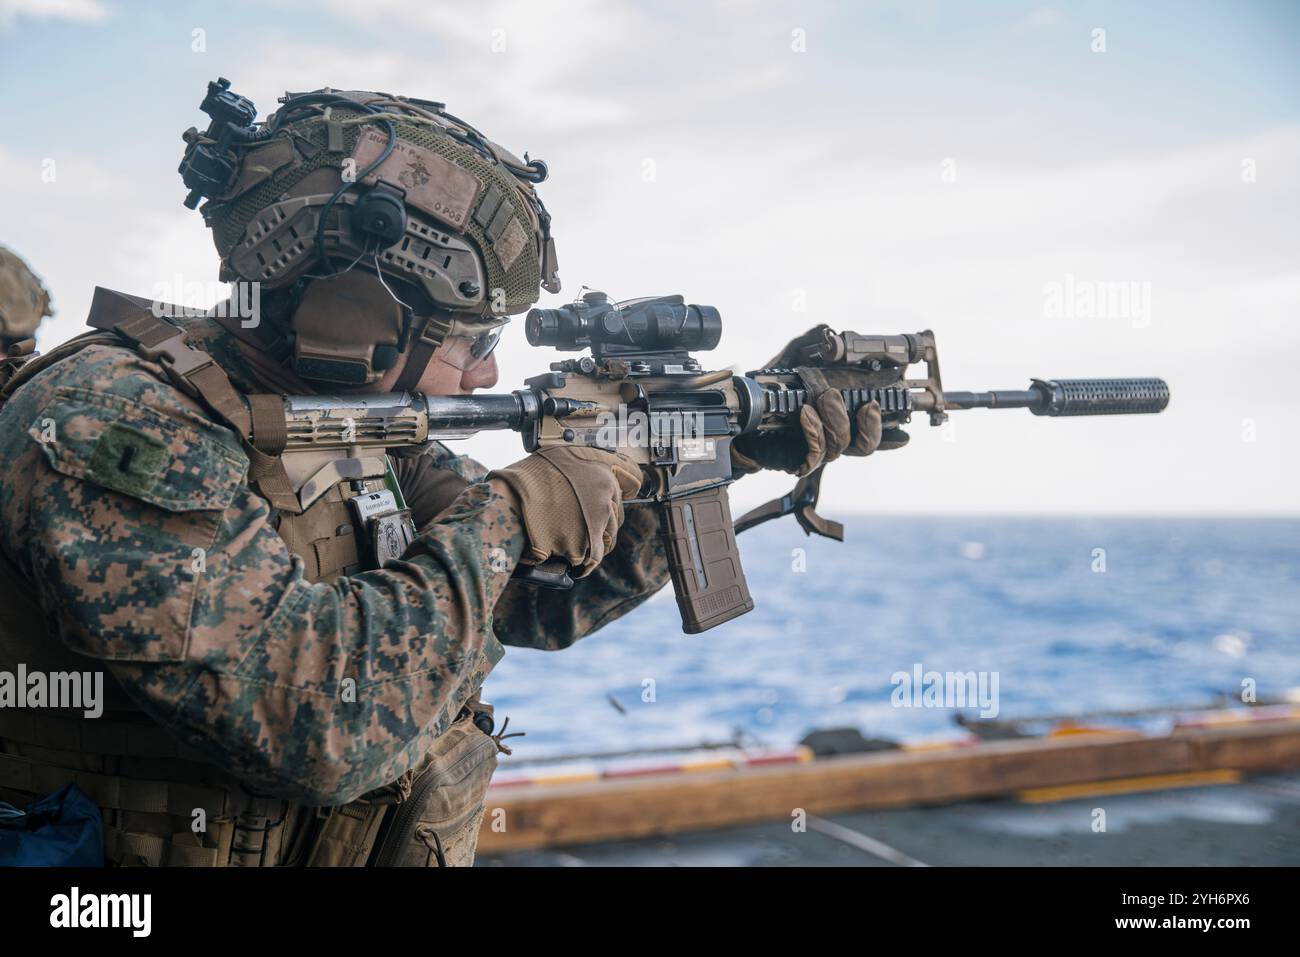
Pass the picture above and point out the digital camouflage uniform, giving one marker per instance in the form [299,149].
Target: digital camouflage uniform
[115,479]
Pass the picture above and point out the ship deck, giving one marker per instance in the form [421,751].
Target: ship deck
[1252,821]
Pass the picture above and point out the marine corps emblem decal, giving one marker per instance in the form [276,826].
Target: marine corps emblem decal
[415,175]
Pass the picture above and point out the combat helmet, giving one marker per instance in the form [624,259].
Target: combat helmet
[24,301]
[336,181]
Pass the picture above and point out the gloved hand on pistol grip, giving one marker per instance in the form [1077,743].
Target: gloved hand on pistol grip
[571,501]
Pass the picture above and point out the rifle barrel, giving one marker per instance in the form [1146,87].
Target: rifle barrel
[475,413]
[1001,399]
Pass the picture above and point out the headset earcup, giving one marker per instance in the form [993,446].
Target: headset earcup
[380,215]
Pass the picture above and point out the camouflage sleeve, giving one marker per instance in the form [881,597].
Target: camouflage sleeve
[544,618]
[151,552]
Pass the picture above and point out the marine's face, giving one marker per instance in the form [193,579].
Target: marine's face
[444,374]
[340,314]
[446,378]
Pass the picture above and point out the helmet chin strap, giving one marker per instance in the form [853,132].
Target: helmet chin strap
[426,335]
[420,340]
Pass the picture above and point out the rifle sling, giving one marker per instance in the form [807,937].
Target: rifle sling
[802,501]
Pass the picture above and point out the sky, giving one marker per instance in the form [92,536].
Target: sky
[985,170]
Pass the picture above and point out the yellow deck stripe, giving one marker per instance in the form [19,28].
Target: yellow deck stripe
[575,778]
[1155,782]
[712,764]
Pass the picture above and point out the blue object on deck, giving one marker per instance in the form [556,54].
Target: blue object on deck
[63,829]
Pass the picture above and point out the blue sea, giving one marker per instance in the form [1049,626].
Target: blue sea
[1072,615]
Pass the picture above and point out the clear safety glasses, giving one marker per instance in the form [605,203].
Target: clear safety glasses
[465,352]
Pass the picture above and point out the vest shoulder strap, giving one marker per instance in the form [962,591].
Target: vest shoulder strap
[197,374]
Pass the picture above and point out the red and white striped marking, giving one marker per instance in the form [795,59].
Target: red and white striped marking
[686,764]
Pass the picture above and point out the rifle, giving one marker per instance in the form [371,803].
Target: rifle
[640,391]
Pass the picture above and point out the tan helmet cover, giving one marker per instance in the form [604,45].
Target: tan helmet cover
[476,236]
[24,301]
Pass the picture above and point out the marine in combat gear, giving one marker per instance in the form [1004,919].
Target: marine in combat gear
[295,640]
[24,302]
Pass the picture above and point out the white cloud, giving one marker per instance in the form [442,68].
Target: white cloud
[92,226]
[81,11]
[1039,18]
[771,177]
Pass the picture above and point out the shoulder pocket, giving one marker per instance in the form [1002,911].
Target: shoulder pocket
[110,441]
[121,526]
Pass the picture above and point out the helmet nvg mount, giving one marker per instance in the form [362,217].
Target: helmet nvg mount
[397,187]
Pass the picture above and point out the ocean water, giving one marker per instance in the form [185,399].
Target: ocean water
[1071,615]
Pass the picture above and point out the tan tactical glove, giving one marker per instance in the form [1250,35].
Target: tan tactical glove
[824,431]
[824,434]
[571,500]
